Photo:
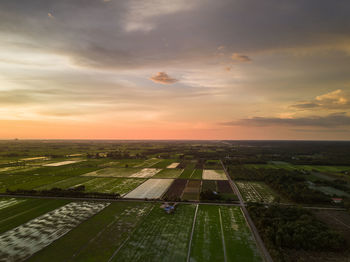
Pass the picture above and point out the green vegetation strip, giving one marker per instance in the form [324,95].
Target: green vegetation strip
[221,229]
[97,238]
[22,212]
[160,236]
[168,173]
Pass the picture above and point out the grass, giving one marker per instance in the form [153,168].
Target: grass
[197,174]
[14,182]
[257,192]
[22,212]
[192,190]
[288,166]
[113,172]
[160,236]
[163,164]
[239,242]
[207,240]
[187,173]
[98,184]
[222,227]
[97,238]
[168,173]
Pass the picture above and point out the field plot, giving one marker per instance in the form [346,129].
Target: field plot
[160,236]
[66,183]
[175,190]
[163,163]
[222,231]
[63,163]
[173,165]
[97,238]
[7,202]
[148,163]
[112,185]
[187,173]
[212,164]
[207,244]
[192,190]
[256,191]
[214,174]
[239,241]
[14,182]
[23,241]
[113,172]
[152,188]
[169,173]
[17,214]
[97,184]
[197,174]
[146,172]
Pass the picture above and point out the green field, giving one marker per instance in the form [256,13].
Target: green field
[98,184]
[197,174]
[288,166]
[22,212]
[163,163]
[97,238]
[14,182]
[221,230]
[160,237]
[257,192]
[113,172]
[168,173]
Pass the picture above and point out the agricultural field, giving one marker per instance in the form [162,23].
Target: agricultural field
[214,174]
[25,210]
[288,166]
[146,172]
[173,165]
[151,189]
[212,164]
[23,241]
[14,182]
[97,184]
[175,190]
[256,191]
[160,237]
[7,202]
[98,238]
[164,163]
[168,173]
[221,234]
[63,163]
[148,162]
[113,172]
[192,190]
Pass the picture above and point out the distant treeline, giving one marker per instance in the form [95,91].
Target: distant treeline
[292,228]
[291,184]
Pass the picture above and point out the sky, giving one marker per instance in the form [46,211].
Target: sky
[159,69]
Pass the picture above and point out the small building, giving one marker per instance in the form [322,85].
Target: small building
[337,200]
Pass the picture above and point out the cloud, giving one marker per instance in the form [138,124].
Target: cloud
[240,58]
[330,121]
[337,99]
[140,14]
[163,78]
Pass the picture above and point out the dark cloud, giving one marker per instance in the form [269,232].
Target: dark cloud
[93,33]
[330,121]
[163,78]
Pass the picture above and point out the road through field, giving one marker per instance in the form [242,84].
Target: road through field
[265,252]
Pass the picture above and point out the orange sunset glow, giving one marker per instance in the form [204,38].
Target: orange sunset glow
[132,69]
